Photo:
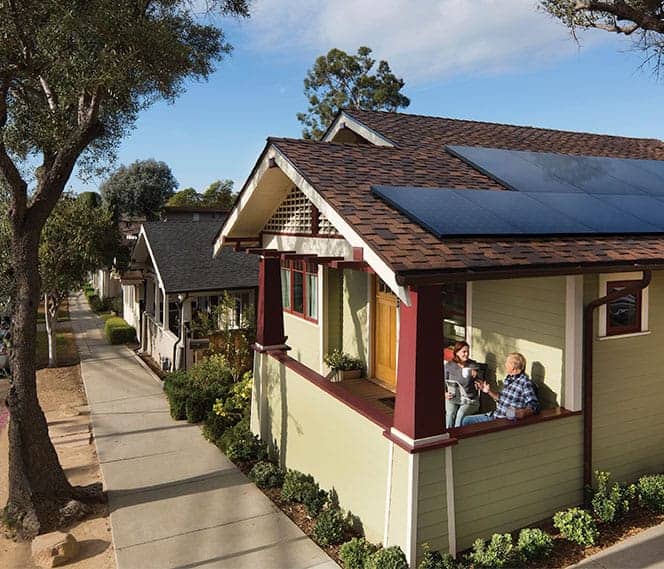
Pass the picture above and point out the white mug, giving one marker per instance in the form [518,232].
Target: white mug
[466,372]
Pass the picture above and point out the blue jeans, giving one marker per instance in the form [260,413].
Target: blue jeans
[474,419]
[456,412]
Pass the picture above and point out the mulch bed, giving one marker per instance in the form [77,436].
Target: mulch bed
[152,365]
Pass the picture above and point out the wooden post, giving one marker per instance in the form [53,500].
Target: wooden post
[270,319]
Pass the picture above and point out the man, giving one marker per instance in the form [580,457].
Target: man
[517,400]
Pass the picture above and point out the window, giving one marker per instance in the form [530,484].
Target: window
[299,288]
[454,313]
[626,315]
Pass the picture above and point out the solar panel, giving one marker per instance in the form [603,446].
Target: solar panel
[453,212]
[555,173]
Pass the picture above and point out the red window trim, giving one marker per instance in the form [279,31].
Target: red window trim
[307,269]
[620,330]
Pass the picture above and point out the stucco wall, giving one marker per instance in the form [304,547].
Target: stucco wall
[355,312]
[317,434]
[527,316]
[506,480]
[628,393]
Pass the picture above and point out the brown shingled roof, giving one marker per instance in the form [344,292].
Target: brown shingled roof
[343,174]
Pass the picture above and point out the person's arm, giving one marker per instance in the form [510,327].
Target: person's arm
[484,387]
[532,402]
[523,413]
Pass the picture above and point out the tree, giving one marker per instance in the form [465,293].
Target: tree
[92,199]
[643,20]
[188,197]
[73,77]
[339,80]
[140,189]
[219,194]
[74,242]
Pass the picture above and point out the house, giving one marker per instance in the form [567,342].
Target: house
[173,276]
[398,234]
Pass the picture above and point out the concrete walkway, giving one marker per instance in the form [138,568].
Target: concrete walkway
[176,501]
[641,551]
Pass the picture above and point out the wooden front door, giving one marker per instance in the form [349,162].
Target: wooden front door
[385,336]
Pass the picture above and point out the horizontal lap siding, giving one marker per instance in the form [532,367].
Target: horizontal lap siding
[355,314]
[628,394]
[304,339]
[318,434]
[507,480]
[432,501]
[527,316]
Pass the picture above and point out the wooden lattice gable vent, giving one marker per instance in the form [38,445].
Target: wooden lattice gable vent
[297,215]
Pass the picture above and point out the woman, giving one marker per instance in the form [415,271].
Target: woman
[461,395]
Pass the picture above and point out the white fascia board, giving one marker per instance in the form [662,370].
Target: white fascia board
[358,128]
[370,256]
[245,196]
[152,258]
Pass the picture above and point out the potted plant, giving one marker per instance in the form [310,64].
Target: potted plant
[344,365]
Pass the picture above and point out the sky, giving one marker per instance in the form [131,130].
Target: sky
[491,60]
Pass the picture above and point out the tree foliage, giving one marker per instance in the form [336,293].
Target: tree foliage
[219,194]
[339,80]
[92,199]
[642,20]
[140,189]
[77,239]
[73,76]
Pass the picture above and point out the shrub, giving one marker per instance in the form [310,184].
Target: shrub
[214,427]
[609,502]
[197,407]
[177,392]
[238,402]
[294,482]
[388,558]
[500,552]
[435,560]
[267,475]
[354,553]
[650,490]
[212,372]
[534,543]
[576,525]
[330,527]
[118,331]
[313,498]
[240,444]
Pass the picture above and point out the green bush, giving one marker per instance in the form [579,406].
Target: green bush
[212,372]
[198,406]
[576,525]
[534,544]
[499,552]
[240,444]
[610,502]
[294,482]
[267,475]
[177,392]
[214,427]
[388,558]
[313,498]
[435,560]
[118,331]
[354,553]
[330,527]
[650,490]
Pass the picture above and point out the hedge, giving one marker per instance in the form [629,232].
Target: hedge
[118,331]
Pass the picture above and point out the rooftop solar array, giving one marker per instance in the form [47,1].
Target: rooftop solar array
[452,212]
[551,194]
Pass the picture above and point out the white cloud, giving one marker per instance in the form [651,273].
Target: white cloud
[422,39]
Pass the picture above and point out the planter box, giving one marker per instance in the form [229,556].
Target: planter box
[342,374]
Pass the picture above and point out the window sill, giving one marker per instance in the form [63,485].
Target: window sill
[618,336]
[301,317]
[505,424]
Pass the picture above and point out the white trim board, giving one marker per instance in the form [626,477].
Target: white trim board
[346,121]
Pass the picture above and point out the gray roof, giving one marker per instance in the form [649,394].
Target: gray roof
[183,254]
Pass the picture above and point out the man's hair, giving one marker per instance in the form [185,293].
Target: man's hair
[518,360]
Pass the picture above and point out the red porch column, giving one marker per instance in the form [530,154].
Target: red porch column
[270,318]
[419,407]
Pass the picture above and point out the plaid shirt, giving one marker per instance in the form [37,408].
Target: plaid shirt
[518,392]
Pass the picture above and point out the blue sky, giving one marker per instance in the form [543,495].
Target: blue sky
[493,60]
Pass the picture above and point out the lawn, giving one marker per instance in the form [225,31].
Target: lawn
[65,345]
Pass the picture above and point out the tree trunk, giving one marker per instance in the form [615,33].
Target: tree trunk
[40,497]
[51,306]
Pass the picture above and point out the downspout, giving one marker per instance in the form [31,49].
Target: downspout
[181,299]
[588,368]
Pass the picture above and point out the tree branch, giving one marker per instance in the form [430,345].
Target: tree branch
[622,11]
[50,96]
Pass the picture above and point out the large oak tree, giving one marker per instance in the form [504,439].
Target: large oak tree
[73,76]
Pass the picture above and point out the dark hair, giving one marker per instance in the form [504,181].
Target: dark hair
[458,346]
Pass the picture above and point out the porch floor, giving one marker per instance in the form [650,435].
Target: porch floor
[379,397]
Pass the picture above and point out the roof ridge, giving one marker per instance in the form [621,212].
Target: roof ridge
[489,123]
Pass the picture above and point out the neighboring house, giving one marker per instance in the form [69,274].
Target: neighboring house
[173,275]
[396,284]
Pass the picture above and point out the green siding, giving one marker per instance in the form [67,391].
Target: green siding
[432,501]
[628,394]
[304,340]
[507,480]
[334,309]
[527,316]
[356,314]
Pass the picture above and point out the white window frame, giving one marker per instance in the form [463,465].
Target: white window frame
[604,279]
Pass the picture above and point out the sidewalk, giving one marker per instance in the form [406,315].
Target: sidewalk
[176,501]
[641,551]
